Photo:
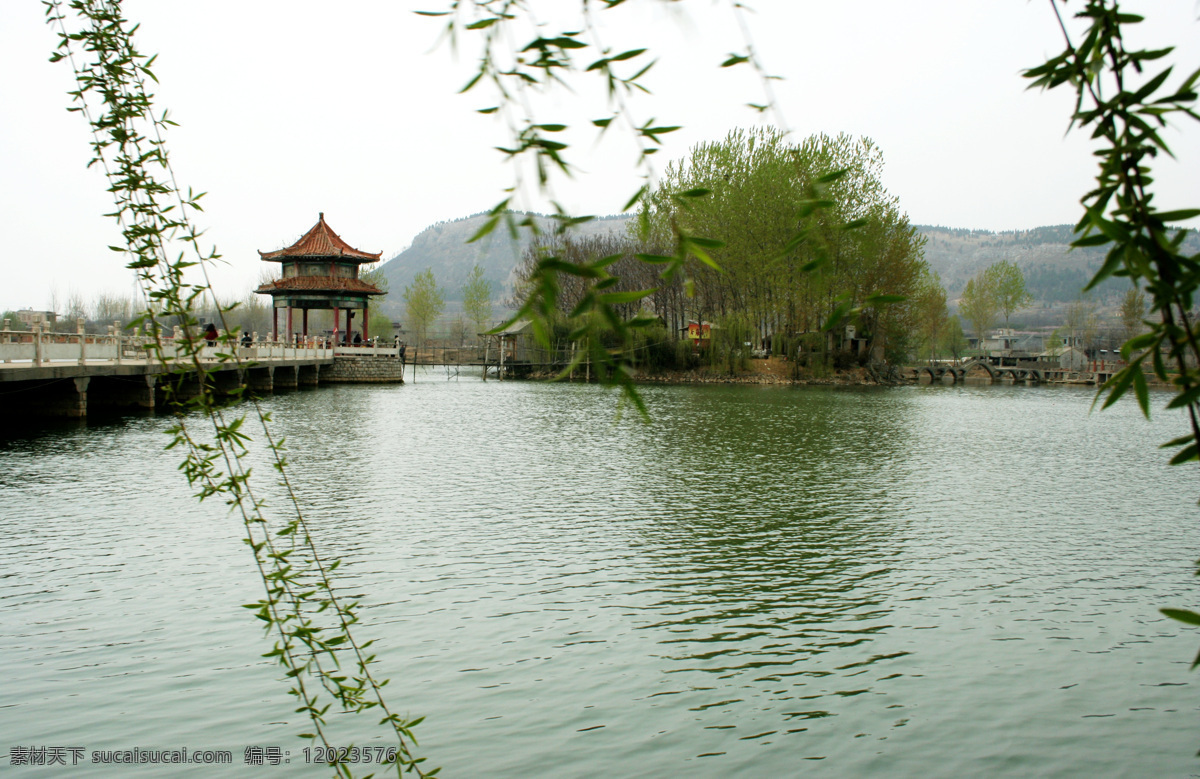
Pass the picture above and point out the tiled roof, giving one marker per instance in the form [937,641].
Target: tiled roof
[320,241]
[318,284]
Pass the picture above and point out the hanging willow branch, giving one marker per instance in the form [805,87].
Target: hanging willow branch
[520,57]
[312,626]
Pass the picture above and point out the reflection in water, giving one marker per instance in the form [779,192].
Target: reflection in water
[880,582]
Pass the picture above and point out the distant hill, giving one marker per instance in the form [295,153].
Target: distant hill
[444,248]
[1054,272]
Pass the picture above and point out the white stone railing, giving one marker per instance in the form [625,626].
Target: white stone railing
[367,350]
[39,347]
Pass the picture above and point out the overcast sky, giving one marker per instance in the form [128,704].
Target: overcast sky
[289,108]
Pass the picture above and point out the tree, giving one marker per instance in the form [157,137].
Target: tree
[423,303]
[979,305]
[477,299]
[752,189]
[1082,324]
[14,323]
[375,278]
[1124,108]
[1008,284]
[931,314]
[1133,309]
[954,340]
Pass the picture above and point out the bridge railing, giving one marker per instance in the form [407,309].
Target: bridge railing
[366,350]
[39,347]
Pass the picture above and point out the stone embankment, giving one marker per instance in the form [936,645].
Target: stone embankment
[364,369]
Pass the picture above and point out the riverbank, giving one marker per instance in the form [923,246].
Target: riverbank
[777,370]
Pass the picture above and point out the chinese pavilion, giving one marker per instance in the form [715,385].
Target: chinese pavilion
[319,271]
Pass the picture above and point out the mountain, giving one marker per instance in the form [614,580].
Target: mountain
[444,248]
[1054,273]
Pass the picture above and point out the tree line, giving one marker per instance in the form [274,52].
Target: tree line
[807,231]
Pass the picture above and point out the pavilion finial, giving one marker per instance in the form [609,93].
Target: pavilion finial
[322,216]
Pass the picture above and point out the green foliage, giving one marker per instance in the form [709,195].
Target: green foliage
[1133,309]
[931,315]
[1125,108]
[376,278]
[314,643]
[954,341]
[811,239]
[1119,213]
[1008,284]
[424,302]
[477,299]
[979,305]
[13,322]
[1082,324]
[998,289]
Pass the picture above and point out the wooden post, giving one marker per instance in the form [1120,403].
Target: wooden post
[289,324]
[335,325]
[304,321]
[366,321]
[274,322]
[501,368]
[487,341]
[348,312]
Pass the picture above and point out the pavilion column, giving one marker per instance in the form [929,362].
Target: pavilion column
[335,325]
[365,328]
[349,313]
[274,323]
[304,321]
[289,324]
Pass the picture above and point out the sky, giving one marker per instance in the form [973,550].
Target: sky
[288,108]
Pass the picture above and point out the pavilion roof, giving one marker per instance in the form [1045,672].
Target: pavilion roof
[321,241]
[318,284]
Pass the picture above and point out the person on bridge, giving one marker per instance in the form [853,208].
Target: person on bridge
[210,334]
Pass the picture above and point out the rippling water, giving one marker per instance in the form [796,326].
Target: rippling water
[763,582]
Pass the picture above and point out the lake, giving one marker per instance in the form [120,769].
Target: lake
[762,582]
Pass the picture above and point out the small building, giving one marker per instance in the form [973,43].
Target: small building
[514,342]
[29,317]
[699,333]
[1070,358]
[320,271]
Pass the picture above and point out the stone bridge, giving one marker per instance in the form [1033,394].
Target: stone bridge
[63,374]
[983,372]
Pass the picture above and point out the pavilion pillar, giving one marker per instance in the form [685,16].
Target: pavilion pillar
[304,321]
[335,325]
[289,324]
[274,323]
[366,319]
[349,314]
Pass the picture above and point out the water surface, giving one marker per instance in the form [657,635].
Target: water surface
[763,582]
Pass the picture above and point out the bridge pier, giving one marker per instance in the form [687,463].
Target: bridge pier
[948,378]
[226,383]
[77,406]
[122,392]
[261,380]
[60,399]
[308,375]
[284,377]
